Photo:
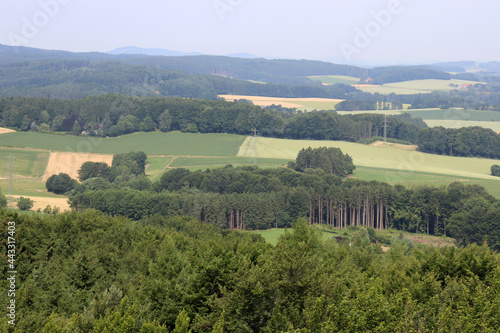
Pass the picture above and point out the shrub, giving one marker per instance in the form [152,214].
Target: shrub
[60,184]
[25,203]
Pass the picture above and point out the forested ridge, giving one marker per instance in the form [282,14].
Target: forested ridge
[113,115]
[89,272]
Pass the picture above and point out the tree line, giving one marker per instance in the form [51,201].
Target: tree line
[113,115]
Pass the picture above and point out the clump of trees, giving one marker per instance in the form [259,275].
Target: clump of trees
[330,160]
[495,170]
[25,203]
[60,184]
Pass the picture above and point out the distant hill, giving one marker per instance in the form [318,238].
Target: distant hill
[149,51]
[53,73]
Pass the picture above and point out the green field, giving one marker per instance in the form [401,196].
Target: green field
[332,79]
[494,125]
[377,157]
[25,163]
[412,178]
[416,86]
[455,114]
[200,162]
[316,105]
[26,187]
[271,235]
[173,143]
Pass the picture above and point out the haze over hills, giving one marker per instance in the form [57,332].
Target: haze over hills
[150,51]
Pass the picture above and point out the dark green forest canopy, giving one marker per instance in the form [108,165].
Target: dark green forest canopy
[90,272]
[113,115]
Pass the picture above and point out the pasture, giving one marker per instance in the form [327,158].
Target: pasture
[172,143]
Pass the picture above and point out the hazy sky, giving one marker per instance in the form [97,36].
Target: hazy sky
[344,31]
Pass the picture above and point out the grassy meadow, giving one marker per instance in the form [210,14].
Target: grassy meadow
[172,143]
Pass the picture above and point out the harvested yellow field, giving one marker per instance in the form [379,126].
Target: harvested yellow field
[42,202]
[4,130]
[70,163]
[285,102]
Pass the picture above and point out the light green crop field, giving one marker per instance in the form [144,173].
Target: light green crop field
[26,163]
[494,125]
[26,187]
[416,86]
[172,143]
[455,114]
[332,79]
[313,105]
[376,157]
[412,178]
[200,162]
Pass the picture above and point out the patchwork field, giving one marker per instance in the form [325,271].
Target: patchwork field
[394,163]
[307,104]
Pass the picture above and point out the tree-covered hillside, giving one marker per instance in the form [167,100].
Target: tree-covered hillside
[88,272]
